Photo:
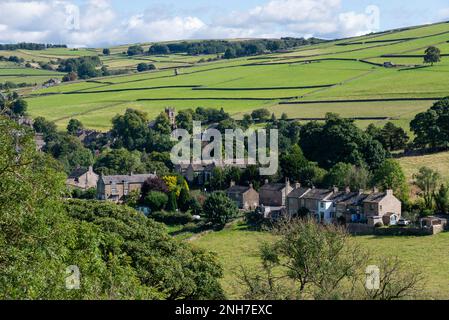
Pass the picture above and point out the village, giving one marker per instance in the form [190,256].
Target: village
[362,211]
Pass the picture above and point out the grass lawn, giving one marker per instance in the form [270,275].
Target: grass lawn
[238,246]
[437,161]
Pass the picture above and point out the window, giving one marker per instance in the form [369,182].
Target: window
[322,205]
[113,188]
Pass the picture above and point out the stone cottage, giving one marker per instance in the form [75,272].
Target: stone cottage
[245,197]
[82,178]
[116,188]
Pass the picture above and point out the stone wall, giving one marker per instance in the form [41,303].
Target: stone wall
[364,229]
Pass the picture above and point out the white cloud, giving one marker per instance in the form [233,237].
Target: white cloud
[100,24]
[444,13]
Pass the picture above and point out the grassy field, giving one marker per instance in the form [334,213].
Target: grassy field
[241,85]
[239,247]
[12,72]
[438,161]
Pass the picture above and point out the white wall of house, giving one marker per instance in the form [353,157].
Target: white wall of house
[326,211]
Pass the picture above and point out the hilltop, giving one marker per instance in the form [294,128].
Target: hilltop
[372,78]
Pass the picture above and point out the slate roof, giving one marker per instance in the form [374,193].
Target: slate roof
[318,194]
[238,189]
[375,197]
[297,193]
[78,173]
[135,178]
[273,187]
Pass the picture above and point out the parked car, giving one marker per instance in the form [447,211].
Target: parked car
[402,222]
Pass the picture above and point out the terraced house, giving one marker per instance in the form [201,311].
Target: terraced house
[116,188]
[330,206]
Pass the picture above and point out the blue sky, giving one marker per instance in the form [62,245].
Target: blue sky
[111,22]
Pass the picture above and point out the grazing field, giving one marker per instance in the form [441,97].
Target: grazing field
[323,74]
[437,161]
[238,246]
[12,72]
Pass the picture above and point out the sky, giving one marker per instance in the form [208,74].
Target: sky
[102,23]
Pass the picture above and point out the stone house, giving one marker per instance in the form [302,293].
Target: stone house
[274,194]
[116,188]
[384,205]
[246,198]
[330,206]
[82,178]
[201,173]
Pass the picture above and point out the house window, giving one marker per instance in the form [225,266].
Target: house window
[113,188]
[322,205]
[371,206]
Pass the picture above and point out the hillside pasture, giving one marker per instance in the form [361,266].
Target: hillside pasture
[238,246]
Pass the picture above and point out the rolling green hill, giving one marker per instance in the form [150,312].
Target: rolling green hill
[345,76]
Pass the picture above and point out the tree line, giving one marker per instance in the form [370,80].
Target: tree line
[30,46]
[230,49]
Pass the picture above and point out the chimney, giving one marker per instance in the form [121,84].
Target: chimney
[348,190]
[232,183]
[251,186]
[375,190]
[297,185]
[390,192]
[335,189]
[361,191]
[266,181]
[91,169]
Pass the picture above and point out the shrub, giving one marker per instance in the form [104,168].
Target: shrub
[156,200]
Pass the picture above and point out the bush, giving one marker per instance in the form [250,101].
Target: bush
[219,209]
[172,218]
[156,200]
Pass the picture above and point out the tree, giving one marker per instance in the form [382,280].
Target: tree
[431,127]
[131,130]
[71,76]
[159,49]
[45,127]
[340,140]
[169,268]
[171,204]
[312,261]
[339,175]
[292,163]
[390,136]
[69,151]
[219,209]
[106,52]
[135,50]
[153,184]
[142,67]
[247,121]
[74,126]
[218,179]
[427,180]
[42,234]
[442,199]
[19,107]
[391,176]
[260,115]
[119,161]
[184,200]
[184,119]
[162,124]
[156,200]
[432,55]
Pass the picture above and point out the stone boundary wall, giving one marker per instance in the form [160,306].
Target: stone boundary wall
[363,229]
